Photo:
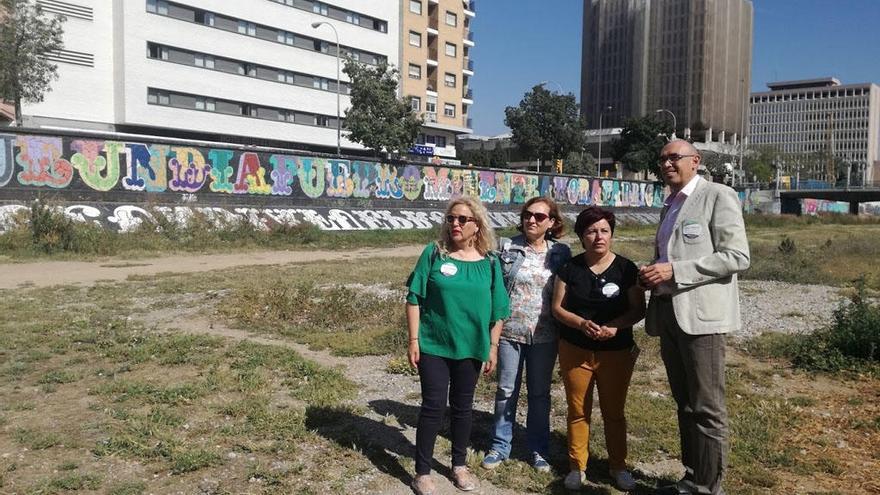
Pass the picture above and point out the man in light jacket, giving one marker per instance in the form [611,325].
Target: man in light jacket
[700,247]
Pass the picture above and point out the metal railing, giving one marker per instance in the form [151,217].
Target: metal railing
[468,64]
[469,94]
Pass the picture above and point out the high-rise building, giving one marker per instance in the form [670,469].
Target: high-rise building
[690,57]
[816,124]
[255,72]
[436,68]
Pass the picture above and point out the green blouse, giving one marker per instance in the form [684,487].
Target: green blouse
[458,303]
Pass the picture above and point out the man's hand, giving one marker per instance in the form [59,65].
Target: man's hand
[590,329]
[606,333]
[651,276]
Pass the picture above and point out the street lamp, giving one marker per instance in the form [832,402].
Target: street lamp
[316,25]
[674,124]
[599,159]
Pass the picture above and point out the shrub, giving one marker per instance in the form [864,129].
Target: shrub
[51,230]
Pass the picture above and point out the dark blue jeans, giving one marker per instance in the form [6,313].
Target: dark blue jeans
[441,378]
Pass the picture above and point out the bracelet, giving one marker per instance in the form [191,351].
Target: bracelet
[414,340]
[493,344]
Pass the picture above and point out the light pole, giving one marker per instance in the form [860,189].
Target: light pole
[316,25]
[599,159]
[674,123]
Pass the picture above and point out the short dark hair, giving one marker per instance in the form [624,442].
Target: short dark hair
[591,215]
[554,232]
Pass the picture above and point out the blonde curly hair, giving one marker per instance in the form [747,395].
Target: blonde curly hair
[485,238]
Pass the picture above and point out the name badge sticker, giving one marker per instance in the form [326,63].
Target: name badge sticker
[610,289]
[448,269]
[692,230]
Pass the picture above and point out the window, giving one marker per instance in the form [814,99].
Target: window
[322,120]
[205,104]
[449,109]
[285,37]
[206,18]
[449,80]
[158,97]
[156,51]
[415,6]
[380,26]
[415,71]
[431,106]
[415,39]
[206,61]
[450,49]
[353,18]
[441,142]
[415,103]
[319,8]
[321,83]
[157,7]
[248,28]
[451,19]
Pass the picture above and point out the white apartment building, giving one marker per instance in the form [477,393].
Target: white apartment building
[252,71]
[819,117]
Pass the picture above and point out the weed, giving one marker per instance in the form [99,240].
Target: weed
[35,439]
[399,365]
[58,376]
[68,466]
[185,461]
[127,488]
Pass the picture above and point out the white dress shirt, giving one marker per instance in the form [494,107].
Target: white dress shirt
[673,205]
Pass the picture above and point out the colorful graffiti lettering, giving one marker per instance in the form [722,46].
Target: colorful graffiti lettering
[107,165]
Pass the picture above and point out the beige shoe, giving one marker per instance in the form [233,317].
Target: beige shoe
[423,485]
[463,479]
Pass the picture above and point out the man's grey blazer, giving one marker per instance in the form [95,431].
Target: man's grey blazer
[707,248]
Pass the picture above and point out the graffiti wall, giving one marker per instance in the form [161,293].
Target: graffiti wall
[96,173]
[815,206]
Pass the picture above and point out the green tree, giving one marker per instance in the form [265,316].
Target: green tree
[640,142]
[377,118]
[760,163]
[26,36]
[546,125]
[498,156]
[579,163]
[476,157]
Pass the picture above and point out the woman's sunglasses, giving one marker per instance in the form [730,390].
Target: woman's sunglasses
[462,219]
[539,217]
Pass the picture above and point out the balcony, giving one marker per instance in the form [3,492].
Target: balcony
[468,39]
[469,123]
[470,7]
[432,57]
[468,67]
[468,95]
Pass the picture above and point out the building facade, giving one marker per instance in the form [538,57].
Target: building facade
[254,72]
[436,68]
[819,125]
[690,57]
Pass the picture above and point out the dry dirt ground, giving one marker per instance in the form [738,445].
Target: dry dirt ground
[377,388]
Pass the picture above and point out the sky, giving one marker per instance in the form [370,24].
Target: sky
[520,43]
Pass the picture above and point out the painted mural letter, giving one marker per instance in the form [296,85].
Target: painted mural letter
[221,171]
[251,175]
[411,182]
[339,184]
[145,167]
[387,184]
[311,175]
[188,170]
[6,166]
[41,162]
[98,172]
[283,170]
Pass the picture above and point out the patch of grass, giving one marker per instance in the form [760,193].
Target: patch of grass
[36,439]
[185,461]
[399,365]
[75,482]
[58,377]
[68,466]
[127,488]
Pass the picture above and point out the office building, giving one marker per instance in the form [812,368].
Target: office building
[818,125]
[254,72]
[690,57]
[436,69]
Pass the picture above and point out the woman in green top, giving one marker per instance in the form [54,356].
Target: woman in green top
[454,308]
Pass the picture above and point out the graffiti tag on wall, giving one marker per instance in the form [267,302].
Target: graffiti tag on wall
[56,163]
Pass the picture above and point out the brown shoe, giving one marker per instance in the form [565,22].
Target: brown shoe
[423,485]
[463,479]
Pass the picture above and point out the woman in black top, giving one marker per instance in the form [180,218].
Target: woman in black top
[597,300]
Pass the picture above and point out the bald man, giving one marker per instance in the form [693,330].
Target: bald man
[700,247]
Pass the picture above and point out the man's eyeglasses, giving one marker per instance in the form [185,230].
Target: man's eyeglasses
[672,157]
[462,219]
[539,217]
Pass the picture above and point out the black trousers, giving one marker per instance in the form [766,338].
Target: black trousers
[441,378]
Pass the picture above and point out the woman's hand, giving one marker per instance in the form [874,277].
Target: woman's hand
[590,329]
[489,366]
[606,333]
[413,353]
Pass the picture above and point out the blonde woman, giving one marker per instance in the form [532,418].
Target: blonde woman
[454,311]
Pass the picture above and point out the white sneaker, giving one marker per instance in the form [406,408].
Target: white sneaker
[623,479]
[575,480]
